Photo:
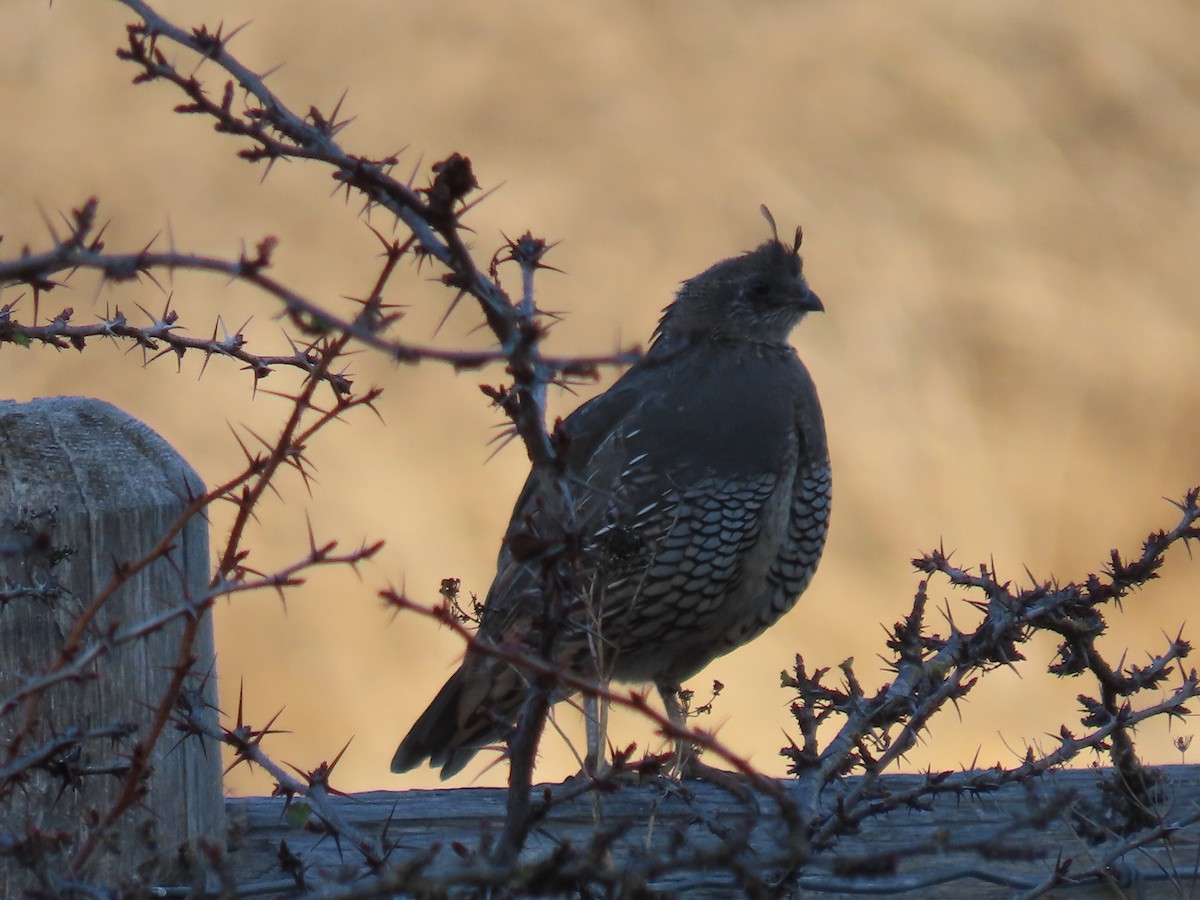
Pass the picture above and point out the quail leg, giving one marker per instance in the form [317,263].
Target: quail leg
[595,712]
[687,760]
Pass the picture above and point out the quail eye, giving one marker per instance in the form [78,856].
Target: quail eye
[760,289]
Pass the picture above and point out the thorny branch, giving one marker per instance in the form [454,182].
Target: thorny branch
[567,681]
[431,213]
[844,731]
[82,248]
[933,670]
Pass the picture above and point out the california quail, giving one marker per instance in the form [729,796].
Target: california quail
[699,484]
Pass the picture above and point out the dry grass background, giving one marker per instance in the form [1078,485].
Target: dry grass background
[1001,209]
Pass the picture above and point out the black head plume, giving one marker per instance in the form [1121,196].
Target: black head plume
[799,238]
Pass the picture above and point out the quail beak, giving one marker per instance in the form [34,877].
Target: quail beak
[810,302]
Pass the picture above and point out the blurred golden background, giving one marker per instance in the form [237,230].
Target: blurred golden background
[1001,212]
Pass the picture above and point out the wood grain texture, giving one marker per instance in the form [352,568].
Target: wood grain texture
[656,827]
[81,474]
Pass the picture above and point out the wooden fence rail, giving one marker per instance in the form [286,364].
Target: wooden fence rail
[658,826]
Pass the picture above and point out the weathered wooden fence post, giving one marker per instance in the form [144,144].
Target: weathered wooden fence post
[84,490]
